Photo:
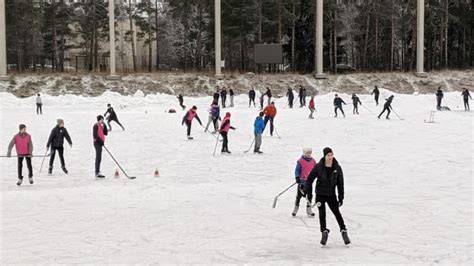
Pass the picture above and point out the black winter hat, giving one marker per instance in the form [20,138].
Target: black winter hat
[99,117]
[22,126]
[326,151]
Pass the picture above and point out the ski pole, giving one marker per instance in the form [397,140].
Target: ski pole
[281,193]
[250,147]
[123,171]
[397,115]
[42,162]
[368,109]
[215,147]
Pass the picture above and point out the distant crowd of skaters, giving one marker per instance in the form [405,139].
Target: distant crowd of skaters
[327,171]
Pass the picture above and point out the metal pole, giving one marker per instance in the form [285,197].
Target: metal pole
[3,44]
[319,40]
[217,27]
[420,37]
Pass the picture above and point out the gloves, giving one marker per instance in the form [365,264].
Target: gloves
[297,178]
[70,145]
[340,202]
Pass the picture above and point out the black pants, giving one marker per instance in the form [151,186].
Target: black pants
[269,118]
[376,99]
[98,156]
[466,104]
[116,121]
[61,156]
[181,104]
[252,100]
[334,206]
[223,98]
[188,125]
[299,195]
[290,102]
[39,108]
[20,167]
[383,111]
[438,103]
[261,103]
[356,109]
[340,108]
[225,142]
[215,123]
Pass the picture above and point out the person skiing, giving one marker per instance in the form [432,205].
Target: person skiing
[99,131]
[269,95]
[214,117]
[270,113]
[39,105]
[291,97]
[224,97]
[338,105]
[311,107]
[329,176]
[24,150]
[303,167]
[466,96]
[258,127]
[376,94]
[181,101]
[439,98]
[224,130]
[387,107]
[355,102]
[188,119]
[231,94]
[301,96]
[56,142]
[252,97]
[262,95]
[216,95]
[112,116]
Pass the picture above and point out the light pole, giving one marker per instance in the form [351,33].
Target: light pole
[3,43]
[319,40]
[217,27]
[112,75]
[420,38]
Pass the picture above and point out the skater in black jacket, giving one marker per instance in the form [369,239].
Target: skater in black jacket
[355,102]
[224,97]
[216,96]
[376,94]
[112,117]
[181,101]
[387,107]
[56,142]
[329,176]
[252,97]
[291,97]
[338,105]
[439,98]
[466,96]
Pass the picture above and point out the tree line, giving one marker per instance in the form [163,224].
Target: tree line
[370,35]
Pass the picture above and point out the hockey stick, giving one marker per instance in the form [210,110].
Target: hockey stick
[281,193]
[368,109]
[250,147]
[215,147]
[113,158]
[276,132]
[210,133]
[24,156]
[397,115]
[42,162]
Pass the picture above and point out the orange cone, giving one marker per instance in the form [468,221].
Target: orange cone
[116,175]
[157,173]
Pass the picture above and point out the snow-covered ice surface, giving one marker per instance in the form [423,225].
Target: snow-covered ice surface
[409,186]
